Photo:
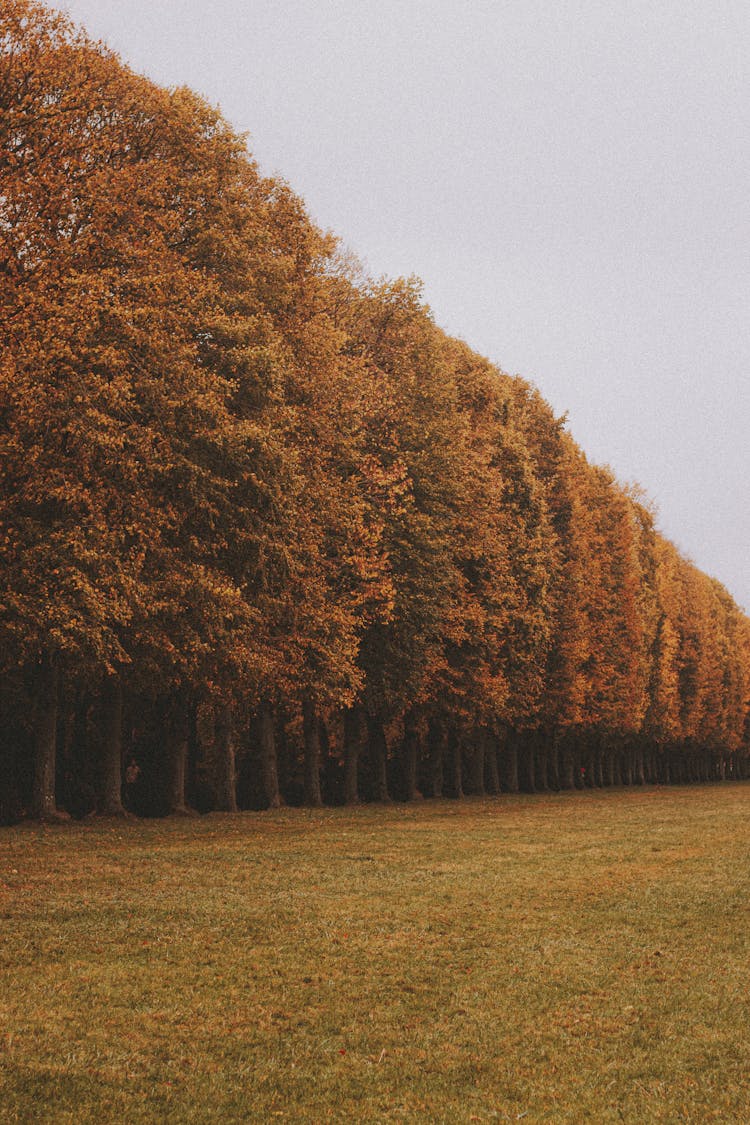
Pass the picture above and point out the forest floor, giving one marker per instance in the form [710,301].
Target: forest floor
[567,958]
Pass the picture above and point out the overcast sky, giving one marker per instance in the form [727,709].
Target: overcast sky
[570,179]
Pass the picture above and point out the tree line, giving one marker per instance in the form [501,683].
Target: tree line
[267,533]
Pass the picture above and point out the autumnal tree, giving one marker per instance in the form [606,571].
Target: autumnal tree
[244,487]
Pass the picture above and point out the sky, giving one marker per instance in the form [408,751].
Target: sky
[570,180]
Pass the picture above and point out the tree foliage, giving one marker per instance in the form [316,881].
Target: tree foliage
[258,512]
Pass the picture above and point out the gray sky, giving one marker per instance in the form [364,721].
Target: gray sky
[571,180]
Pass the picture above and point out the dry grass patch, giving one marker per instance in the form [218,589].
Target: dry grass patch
[576,958]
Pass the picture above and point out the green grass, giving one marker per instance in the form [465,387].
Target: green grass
[582,957]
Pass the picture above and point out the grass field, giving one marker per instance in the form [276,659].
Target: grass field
[582,957]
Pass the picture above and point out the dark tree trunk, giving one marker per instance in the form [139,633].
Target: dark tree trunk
[491,772]
[10,798]
[65,765]
[541,773]
[268,762]
[410,757]
[598,765]
[437,747]
[354,740]
[666,768]
[639,774]
[177,735]
[109,801]
[553,760]
[479,750]
[619,766]
[46,694]
[225,760]
[526,761]
[325,756]
[311,734]
[609,765]
[568,764]
[378,750]
[454,760]
[193,755]
[627,766]
[511,761]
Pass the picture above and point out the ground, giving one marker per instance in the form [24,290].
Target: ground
[568,958]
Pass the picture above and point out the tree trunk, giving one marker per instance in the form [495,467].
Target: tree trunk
[410,757]
[176,746]
[598,765]
[225,760]
[268,761]
[454,759]
[193,755]
[568,764]
[9,796]
[491,772]
[378,750]
[109,801]
[609,765]
[553,760]
[541,771]
[679,767]
[639,773]
[477,762]
[666,768]
[354,739]
[311,734]
[437,746]
[588,757]
[527,763]
[511,761]
[65,766]
[626,766]
[46,694]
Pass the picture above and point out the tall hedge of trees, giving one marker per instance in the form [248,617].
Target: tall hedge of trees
[267,534]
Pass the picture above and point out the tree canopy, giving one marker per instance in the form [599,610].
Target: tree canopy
[266,530]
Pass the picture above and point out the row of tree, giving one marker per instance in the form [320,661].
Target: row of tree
[266,531]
